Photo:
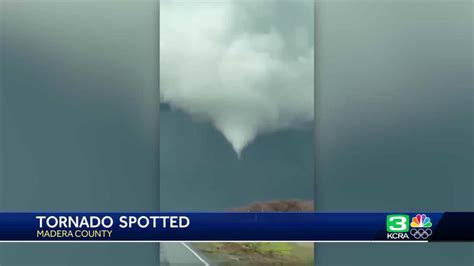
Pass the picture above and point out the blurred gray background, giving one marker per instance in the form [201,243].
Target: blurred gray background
[394,119]
[79,127]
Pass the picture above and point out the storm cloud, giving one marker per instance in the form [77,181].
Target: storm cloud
[244,66]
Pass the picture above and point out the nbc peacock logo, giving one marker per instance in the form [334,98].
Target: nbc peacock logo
[421,220]
[421,227]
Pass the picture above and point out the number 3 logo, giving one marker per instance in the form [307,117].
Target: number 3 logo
[398,223]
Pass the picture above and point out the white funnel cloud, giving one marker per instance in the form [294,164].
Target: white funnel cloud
[244,66]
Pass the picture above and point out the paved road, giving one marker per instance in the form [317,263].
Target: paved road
[180,254]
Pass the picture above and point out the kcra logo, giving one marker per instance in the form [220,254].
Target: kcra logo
[398,227]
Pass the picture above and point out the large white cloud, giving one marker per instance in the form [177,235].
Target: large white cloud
[245,66]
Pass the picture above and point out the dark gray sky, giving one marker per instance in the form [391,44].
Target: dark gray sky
[200,171]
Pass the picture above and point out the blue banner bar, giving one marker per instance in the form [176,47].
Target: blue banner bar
[70,226]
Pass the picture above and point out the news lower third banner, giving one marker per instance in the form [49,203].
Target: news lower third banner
[247,226]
